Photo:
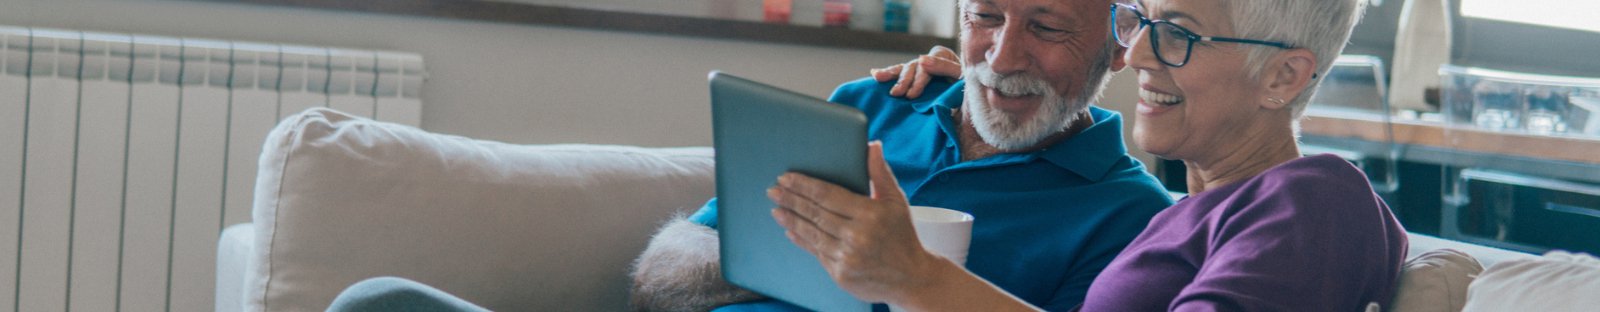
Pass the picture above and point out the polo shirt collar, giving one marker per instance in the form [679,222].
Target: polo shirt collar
[1091,154]
[951,98]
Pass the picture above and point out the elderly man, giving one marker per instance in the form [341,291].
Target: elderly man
[1016,145]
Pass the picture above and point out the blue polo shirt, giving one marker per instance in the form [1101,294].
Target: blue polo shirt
[1046,221]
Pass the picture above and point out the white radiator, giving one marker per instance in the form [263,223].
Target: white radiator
[123,156]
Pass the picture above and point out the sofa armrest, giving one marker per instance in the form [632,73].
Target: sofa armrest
[233,263]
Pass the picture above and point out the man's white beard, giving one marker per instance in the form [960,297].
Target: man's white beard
[1009,132]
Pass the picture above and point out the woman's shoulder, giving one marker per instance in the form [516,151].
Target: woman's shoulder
[1321,186]
[1315,175]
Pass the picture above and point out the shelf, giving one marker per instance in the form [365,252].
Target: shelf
[546,15]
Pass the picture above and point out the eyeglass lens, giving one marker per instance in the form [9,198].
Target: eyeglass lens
[1171,44]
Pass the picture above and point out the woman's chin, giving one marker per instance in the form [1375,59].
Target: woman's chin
[1152,142]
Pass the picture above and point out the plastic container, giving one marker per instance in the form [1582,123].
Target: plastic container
[1355,84]
[897,16]
[1519,102]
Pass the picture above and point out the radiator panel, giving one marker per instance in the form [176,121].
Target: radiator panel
[202,146]
[13,116]
[152,159]
[102,137]
[48,181]
[123,156]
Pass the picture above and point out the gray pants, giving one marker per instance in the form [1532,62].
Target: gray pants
[396,294]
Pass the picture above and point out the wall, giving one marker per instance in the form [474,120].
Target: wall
[512,83]
[521,84]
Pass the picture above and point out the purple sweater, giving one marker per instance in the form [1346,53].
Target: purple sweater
[1307,235]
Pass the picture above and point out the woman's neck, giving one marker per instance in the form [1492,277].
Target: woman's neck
[1255,152]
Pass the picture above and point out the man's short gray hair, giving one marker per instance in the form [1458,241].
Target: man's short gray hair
[1322,26]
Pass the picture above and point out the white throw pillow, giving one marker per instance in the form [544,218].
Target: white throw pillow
[508,227]
[1559,281]
[1435,281]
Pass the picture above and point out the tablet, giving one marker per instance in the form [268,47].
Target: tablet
[761,132]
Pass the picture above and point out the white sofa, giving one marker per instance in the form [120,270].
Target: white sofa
[543,228]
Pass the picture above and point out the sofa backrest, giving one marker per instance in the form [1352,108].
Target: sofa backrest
[1485,255]
[509,227]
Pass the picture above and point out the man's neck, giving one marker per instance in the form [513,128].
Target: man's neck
[973,147]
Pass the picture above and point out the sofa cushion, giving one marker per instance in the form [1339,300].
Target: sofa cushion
[340,199]
[1559,281]
[1435,281]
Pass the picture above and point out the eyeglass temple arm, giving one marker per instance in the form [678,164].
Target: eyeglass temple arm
[1279,45]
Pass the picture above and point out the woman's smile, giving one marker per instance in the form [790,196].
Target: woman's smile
[1152,102]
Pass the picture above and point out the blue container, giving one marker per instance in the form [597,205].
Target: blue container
[897,16]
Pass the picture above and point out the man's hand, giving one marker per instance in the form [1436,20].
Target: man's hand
[916,74]
[680,271]
[867,244]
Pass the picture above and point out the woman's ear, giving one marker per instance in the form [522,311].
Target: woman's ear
[1287,75]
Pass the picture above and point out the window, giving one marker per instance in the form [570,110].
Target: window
[1571,14]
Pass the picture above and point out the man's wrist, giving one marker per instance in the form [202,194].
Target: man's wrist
[928,282]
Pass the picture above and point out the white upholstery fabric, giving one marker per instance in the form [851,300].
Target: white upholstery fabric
[1558,281]
[1435,281]
[508,227]
[512,228]
[233,262]
[1486,256]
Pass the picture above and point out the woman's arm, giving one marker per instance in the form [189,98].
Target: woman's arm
[913,76]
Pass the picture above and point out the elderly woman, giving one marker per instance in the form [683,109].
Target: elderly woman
[1222,83]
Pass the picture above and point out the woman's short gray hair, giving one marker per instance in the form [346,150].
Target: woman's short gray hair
[1322,26]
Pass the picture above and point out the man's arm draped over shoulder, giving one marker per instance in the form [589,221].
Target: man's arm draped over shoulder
[681,270]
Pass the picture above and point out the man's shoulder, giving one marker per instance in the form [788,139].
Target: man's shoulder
[1138,187]
[861,91]
[869,94]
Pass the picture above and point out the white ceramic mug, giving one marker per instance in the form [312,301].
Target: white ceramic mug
[943,232]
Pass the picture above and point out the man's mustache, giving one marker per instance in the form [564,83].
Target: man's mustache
[1009,85]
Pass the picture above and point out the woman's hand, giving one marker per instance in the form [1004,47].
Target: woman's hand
[916,74]
[867,244]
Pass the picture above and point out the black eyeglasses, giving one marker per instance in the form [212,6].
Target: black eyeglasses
[1127,23]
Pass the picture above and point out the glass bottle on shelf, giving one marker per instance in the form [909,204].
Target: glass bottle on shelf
[836,13]
[776,11]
